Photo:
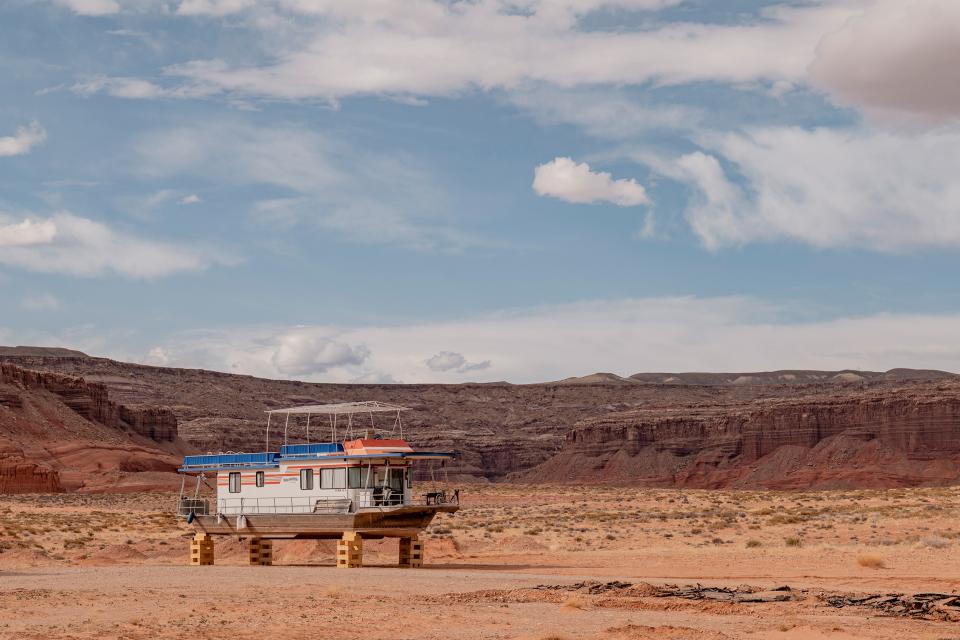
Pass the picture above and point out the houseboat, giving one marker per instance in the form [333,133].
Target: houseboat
[354,487]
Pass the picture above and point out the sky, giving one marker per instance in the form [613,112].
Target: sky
[523,190]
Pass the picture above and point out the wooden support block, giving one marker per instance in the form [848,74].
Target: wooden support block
[261,551]
[201,550]
[411,552]
[350,550]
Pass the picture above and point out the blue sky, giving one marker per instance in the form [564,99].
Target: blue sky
[452,191]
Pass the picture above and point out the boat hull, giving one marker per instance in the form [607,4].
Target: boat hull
[385,522]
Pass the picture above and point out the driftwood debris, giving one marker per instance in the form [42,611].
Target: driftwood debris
[743,593]
[591,587]
[937,606]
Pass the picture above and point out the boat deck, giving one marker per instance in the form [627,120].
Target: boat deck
[404,521]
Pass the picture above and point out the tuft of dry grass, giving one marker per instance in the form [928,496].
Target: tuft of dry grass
[575,602]
[935,542]
[871,561]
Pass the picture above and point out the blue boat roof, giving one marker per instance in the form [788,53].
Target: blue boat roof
[309,450]
[211,462]
[271,459]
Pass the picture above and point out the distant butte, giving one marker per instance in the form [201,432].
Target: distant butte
[58,352]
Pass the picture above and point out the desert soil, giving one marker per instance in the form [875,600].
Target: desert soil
[531,562]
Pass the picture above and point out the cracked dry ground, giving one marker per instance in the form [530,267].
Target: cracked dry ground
[532,562]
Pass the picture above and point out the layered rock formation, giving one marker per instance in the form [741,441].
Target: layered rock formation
[502,430]
[898,437]
[89,400]
[59,432]
[18,475]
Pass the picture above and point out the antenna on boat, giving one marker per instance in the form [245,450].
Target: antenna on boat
[269,415]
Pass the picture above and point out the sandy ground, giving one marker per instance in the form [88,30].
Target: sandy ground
[507,566]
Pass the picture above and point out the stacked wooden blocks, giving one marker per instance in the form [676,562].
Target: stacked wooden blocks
[261,551]
[350,550]
[411,552]
[201,549]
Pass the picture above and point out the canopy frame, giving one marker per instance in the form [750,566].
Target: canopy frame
[335,410]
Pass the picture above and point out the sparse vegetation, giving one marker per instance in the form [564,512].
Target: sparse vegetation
[575,602]
[870,561]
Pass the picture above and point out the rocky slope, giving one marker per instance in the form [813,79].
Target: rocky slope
[501,429]
[905,436]
[59,432]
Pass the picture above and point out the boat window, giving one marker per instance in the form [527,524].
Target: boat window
[355,477]
[333,478]
[234,478]
[259,478]
[306,479]
[396,480]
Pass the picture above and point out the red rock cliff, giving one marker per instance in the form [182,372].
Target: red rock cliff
[59,432]
[91,401]
[900,437]
[18,475]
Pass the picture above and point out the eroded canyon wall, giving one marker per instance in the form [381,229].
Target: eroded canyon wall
[60,432]
[898,437]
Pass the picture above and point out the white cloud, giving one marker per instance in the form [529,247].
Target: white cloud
[91,7]
[191,199]
[72,245]
[23,140]
[624,336]
[575,182]
[376,377]
[26,233]
[446,360]
[424,47]
[307,351]
[604,113]
[368,197]
[40,302]
[216,8]
[134,88]
[453,361]
[898,55]
[884,191]
[158,357]
[377,10]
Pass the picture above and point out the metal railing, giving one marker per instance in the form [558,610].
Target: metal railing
[330,505]
[237,506]
[195,506]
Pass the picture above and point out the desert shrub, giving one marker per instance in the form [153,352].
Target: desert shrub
[870,561]
[935,542]
[792,542]
[753,544]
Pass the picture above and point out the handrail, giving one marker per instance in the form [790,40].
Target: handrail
[195,506]
[326,504]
